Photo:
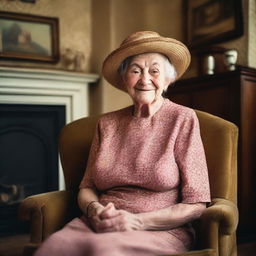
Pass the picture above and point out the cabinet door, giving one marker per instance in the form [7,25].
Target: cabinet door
[247,176]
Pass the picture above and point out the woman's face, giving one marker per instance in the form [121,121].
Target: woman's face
[145,78]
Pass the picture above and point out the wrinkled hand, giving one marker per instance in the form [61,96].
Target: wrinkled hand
[93,212]
[109,219]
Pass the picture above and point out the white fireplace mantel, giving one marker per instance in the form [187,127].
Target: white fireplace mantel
[47,87]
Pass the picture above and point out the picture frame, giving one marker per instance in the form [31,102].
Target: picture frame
[29,37]
[212,21]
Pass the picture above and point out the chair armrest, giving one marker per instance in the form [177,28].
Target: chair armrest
[48,212]
[217,226]
[225,213]
[218,220]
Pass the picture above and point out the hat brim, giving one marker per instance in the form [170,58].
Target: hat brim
[174,50]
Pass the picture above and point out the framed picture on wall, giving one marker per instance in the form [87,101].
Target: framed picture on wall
[29,37]
[213,21]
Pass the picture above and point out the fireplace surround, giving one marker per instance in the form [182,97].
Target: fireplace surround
[49,88]
[34,106]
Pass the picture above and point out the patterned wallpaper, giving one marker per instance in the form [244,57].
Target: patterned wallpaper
[252,34]
[74,22]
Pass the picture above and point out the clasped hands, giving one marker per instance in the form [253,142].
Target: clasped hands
[109,219]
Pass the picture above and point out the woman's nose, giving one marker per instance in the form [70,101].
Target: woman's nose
[145,78]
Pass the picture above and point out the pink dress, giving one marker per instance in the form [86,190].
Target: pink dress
[141,165]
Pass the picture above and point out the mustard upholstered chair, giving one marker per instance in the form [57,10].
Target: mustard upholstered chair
[216,229]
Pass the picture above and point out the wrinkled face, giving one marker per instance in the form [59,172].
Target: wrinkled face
[145,78]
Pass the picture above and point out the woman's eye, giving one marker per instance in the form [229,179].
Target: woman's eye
[155,71]
[135,71]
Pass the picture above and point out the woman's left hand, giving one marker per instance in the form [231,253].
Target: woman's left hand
[118,220]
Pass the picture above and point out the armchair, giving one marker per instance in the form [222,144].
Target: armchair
[216,229]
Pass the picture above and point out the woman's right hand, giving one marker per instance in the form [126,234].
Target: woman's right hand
[94,209]
[113,220]
[93,214]
[96,212]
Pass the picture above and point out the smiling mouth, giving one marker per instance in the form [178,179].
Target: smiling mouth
[143,90]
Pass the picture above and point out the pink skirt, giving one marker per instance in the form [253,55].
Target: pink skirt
[78,239]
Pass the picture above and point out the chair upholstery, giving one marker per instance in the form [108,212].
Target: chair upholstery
[216,228]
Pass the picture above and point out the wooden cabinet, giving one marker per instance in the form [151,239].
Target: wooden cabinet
[232,96]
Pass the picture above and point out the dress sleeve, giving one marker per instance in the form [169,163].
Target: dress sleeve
[190,158]
[87,180]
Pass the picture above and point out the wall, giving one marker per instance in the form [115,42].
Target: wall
[75,25]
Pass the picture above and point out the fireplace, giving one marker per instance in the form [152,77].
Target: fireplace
[28,155]
[34,106]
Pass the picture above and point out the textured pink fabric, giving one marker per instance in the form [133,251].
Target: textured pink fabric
[141,165]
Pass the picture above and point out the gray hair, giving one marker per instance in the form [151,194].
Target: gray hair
[170,71]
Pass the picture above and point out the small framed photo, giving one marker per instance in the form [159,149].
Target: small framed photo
[29,37]
[213,21]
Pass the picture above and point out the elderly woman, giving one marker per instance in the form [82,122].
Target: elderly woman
[146,177]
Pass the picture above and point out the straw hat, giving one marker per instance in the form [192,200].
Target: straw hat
[145,42]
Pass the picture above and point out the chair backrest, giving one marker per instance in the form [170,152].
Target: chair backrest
[219,138]
[74,147]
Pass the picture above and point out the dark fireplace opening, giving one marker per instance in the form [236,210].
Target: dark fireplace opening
[28,157]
